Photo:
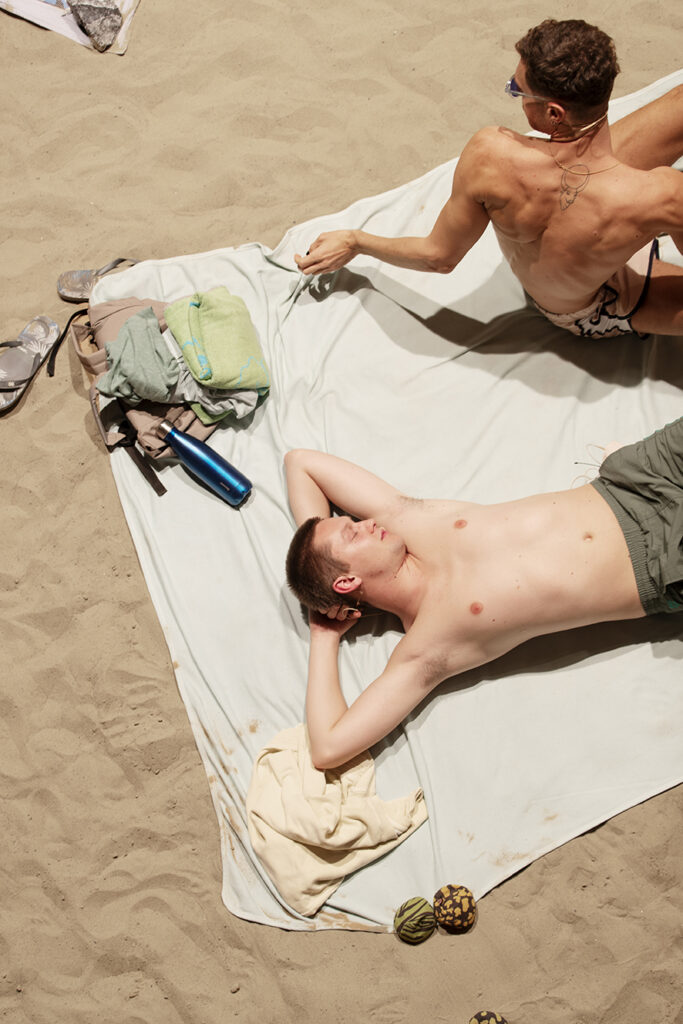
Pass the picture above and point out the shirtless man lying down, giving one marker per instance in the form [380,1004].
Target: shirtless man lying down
[469,582]
[575,213]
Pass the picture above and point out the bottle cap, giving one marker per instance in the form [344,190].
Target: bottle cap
[164,428]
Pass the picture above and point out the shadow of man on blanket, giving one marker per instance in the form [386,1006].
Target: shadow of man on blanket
[539,656]
[546,653]
[562,650]
[623,361]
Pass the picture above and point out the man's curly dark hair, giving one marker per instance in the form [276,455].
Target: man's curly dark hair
[572,62]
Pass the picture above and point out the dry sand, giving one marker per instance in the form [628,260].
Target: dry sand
[225,124]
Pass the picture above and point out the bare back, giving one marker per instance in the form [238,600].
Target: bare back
[497,575]
[563,232]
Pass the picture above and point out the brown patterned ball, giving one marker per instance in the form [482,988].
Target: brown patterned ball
[455,908]
[487,1017]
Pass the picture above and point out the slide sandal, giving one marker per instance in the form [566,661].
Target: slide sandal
[76,285]
[21,359]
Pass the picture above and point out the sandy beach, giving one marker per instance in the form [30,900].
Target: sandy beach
[225,124]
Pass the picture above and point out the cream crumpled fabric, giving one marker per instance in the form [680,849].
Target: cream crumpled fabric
[311,828]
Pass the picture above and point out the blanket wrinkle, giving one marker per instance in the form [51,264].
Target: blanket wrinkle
[311,828]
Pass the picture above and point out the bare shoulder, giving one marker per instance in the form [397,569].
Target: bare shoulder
[666,179]
[492,158]
[670,182]
[660,196]
[491,140]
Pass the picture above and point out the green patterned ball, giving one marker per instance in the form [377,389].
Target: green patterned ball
[455,908]
[414,920]
[487,1017]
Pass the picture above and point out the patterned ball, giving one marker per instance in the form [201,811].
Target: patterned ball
[455,908]
[414,920]
[487,1017]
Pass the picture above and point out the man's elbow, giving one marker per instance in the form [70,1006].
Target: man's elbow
[323,764]
[324,760]
[293,456]
[440,261]
[324,756]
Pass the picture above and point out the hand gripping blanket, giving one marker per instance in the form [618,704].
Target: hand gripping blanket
[447,386]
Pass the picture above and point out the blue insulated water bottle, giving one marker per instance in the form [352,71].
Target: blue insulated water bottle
[204,463]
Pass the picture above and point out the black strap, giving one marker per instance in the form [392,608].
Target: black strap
[127,438]
[53,354]
[128,441]
[143,465]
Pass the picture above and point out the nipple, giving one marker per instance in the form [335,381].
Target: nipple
[476,608]
[460,523]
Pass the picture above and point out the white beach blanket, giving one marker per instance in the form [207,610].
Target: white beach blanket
[447,386]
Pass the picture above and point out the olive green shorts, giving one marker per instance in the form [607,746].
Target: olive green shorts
[643,485]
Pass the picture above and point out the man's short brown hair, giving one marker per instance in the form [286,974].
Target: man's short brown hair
[311,569]
[570,61]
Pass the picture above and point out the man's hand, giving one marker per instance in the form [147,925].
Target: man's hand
[330,251]
[339,619]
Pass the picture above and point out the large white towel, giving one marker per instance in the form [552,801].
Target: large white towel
[446,386]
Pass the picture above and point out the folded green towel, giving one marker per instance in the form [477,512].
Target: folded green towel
[218,340]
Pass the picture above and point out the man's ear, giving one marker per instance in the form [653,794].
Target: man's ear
[346,584]
[555,113]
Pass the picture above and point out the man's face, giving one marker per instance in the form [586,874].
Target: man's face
[366,547]
[533,108]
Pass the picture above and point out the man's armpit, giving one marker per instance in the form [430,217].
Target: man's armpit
[404,500]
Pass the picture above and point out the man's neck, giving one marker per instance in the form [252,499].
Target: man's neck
[590,148]
[403,594]
[567,132]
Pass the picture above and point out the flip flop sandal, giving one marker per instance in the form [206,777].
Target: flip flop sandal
[76,285]
[21,359]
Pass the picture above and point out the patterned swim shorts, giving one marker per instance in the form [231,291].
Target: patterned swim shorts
[610,312]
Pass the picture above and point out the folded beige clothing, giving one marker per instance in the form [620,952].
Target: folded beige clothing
[311,828]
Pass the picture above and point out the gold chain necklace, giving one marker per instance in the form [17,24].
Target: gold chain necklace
[568,191]
[584,172]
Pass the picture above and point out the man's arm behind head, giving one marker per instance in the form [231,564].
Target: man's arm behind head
[315,480]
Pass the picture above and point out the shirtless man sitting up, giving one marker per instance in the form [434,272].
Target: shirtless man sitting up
[577,213]
[469,582]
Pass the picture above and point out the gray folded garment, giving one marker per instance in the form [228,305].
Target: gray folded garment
[212,400]
[141,366]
